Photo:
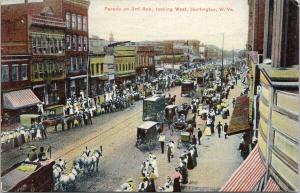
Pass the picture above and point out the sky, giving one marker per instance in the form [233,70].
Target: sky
[205,22]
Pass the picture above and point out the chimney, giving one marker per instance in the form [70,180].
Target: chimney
[26,1]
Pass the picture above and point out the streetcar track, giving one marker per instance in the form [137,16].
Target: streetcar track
[129,117]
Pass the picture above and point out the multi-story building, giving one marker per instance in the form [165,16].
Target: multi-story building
[274,103]
[75,13]
[145,60]
[32,55]
[125,61]
[46,34]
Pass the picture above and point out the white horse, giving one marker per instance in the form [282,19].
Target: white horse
[69,181]
[58,168]
[90,161]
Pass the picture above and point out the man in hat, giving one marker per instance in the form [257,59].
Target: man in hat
[199,135]
[42,154]
[225,130]
[32,155]
[219,127]
[169,153]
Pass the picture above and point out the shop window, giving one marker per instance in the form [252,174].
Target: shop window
[24,72]
[4,73]
[15,72]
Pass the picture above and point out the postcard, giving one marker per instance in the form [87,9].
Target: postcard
[149,95]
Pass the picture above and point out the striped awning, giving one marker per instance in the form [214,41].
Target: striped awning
[19,99]
[272,186]
[248,175]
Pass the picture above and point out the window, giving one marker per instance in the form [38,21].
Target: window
[15,72]
[79,63]
[84,23]
[34,45]
[39,44]
[74,42]
[79,22]
[74,64]
[92,69]
[4,73]
[73,21]
[85,44]
[97,68]
[68,43]
[44,45]
[101,68]
[59,45]
[79,43]
[68,19]
[24,72]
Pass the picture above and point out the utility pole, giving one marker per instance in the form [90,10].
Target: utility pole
[233,56]
[222,64]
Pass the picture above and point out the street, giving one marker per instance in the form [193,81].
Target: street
[116,132]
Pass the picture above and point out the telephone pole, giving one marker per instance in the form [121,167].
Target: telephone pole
[222,64]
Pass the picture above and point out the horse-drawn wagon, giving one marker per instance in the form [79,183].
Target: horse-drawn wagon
[153,108]
[27,120]
[147,135]
[187,87]
[29,177]
[54,115]
[170,112]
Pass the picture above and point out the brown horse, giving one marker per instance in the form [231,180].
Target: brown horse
[54,122]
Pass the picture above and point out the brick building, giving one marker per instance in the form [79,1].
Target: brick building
[75,13]
[145,60]
[256,25]
[32,56]
[273,102]
[42,42]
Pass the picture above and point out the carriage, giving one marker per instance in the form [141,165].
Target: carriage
[200,79]
[170,111]
[147,135]
[153,108]
[54,116]
[27,120]
[187,87]
[29,177]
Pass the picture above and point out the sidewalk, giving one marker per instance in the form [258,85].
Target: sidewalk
[218,157]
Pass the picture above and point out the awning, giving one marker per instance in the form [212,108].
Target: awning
[239,120]
[272,186]
[19,99]
[248,175]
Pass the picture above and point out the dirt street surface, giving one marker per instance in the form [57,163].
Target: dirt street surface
[116,132]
